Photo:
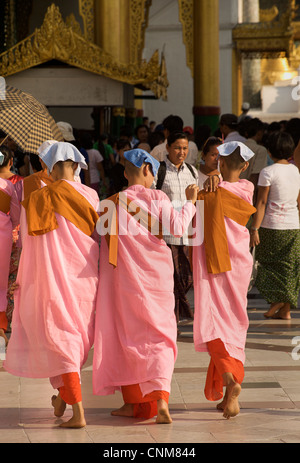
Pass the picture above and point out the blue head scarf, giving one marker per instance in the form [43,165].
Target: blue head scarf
[138,157]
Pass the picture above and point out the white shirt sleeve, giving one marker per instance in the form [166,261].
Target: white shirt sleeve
[265,178]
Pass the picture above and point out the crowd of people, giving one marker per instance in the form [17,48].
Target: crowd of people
[67,286]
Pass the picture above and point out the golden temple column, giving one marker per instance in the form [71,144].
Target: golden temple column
[206,63]
[112,34]
[112,28]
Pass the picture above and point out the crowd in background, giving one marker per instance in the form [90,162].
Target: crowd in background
[105,157]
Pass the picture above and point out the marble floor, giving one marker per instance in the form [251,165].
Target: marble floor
[270,398]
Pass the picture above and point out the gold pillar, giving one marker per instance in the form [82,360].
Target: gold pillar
[206,63]
[237,82]
[112,28]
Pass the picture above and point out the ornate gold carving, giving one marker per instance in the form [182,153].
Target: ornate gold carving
[267,39]
[268,14]
[139,12]
[57,40]
[186,10]
[73,24]
[119,111]
[86,10]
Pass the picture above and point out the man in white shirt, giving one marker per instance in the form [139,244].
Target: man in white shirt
[229,128]
[178,176]
[174,124]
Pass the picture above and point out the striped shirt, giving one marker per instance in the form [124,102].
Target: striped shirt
[175,183]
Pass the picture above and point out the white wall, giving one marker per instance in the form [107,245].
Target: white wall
[69,88]
[165,32]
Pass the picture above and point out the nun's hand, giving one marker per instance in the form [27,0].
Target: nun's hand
[212,183]
[191,193]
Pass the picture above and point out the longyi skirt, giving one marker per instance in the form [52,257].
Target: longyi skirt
[278,256]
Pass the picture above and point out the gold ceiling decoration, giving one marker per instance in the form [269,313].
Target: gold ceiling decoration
[267,39]
[86,10]
[186,11]
[268,14]
[64,41]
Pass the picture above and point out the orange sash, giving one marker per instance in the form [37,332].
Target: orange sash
[61,198]
[220,363]
[33,182]
[4,202]
[217,205]
[144,217]
[3,321]
[144,407]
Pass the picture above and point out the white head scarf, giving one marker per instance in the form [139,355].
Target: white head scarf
[228,148]
[62,151]
[45,145]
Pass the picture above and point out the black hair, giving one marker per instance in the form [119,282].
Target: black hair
[155,138]
[86,140]
[122,143]
[7,153]
[141,126]
[230,120]
[173,124]
[211,141]
[35,162]
[281,145]
[253,126]
[176,136]
[126,131]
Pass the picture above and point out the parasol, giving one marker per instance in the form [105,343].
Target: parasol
[26,121]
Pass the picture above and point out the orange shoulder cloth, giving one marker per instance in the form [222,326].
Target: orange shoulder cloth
[62,198]
[4,202]
[33,182]
[143,217]
[222,203]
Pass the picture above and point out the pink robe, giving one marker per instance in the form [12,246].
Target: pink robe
[7,223]
[53,320]
[136,330]
[23,222]
[221,300]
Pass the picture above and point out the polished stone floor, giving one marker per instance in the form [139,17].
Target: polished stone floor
[270,398]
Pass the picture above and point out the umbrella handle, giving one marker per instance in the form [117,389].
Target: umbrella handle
[1,143]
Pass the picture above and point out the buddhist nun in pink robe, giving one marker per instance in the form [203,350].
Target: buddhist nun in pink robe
[135,336]
[222,267]
[53,322]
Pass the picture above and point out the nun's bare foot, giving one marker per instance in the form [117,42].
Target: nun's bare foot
[232,406]
[74,423]
[77,421]
[163,414]
[125,410]
[59,405]
[222,405]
